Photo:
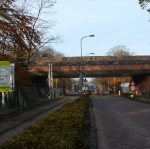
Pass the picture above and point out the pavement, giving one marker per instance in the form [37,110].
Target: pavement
[13,125]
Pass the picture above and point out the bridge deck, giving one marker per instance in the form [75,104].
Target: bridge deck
[93,66]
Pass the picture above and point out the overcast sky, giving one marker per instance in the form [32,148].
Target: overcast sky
[113,22]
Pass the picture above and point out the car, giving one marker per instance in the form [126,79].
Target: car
[80,91]
[96,92]
[88,91]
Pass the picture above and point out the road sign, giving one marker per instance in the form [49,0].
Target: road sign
[4,76]
[132,87]
[132,83]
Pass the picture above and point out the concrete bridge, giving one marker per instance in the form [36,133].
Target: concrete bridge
[93,66]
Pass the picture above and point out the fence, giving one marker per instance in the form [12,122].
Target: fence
[23,98]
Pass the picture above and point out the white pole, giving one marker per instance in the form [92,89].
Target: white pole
[49,80]
[108,86]
[12,76]
[49,75]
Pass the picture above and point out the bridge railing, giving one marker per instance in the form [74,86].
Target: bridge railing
[94,60]
[106,62]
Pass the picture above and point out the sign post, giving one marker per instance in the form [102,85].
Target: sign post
[50,78]
[12,76]
[132,87]
[4,81]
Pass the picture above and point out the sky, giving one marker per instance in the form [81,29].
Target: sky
[113,22]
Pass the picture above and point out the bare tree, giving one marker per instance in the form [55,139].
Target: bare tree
[23,31]
[120,50]
[22,27]
[50,52]
[144,4]
[40,9]
[15,30]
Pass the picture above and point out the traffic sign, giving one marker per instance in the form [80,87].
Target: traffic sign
[132,87]
[132,83]
[4,76]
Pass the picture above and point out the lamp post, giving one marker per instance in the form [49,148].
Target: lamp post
[114,84]
[84,70]
[50,77]
[81,75]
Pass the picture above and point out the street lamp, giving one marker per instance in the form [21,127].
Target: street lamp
[114,84]
[85,72]
[81,75]
[86,55]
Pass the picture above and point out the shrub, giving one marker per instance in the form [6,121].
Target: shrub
[59,130]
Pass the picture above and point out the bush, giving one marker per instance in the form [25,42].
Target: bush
[126,95]
[140,98]
[59,130]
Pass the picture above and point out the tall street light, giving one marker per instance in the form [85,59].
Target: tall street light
[81,75]
[85,72]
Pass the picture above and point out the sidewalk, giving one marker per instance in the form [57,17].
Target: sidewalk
[10,126]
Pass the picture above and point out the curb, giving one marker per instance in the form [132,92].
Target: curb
[93,142]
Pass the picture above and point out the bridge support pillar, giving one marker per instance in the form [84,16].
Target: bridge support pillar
[142,84]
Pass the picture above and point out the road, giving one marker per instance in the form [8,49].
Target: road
[121,123]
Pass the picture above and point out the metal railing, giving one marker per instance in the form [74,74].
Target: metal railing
[23,98]
[95,60]
[106,62]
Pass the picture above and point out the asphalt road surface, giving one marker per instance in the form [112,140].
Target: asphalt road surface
[121,123]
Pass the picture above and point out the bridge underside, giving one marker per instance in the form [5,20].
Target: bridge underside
[93,71]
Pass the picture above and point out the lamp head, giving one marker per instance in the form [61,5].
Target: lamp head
[91,35]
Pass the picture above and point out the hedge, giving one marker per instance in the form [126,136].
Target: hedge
[60,130]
